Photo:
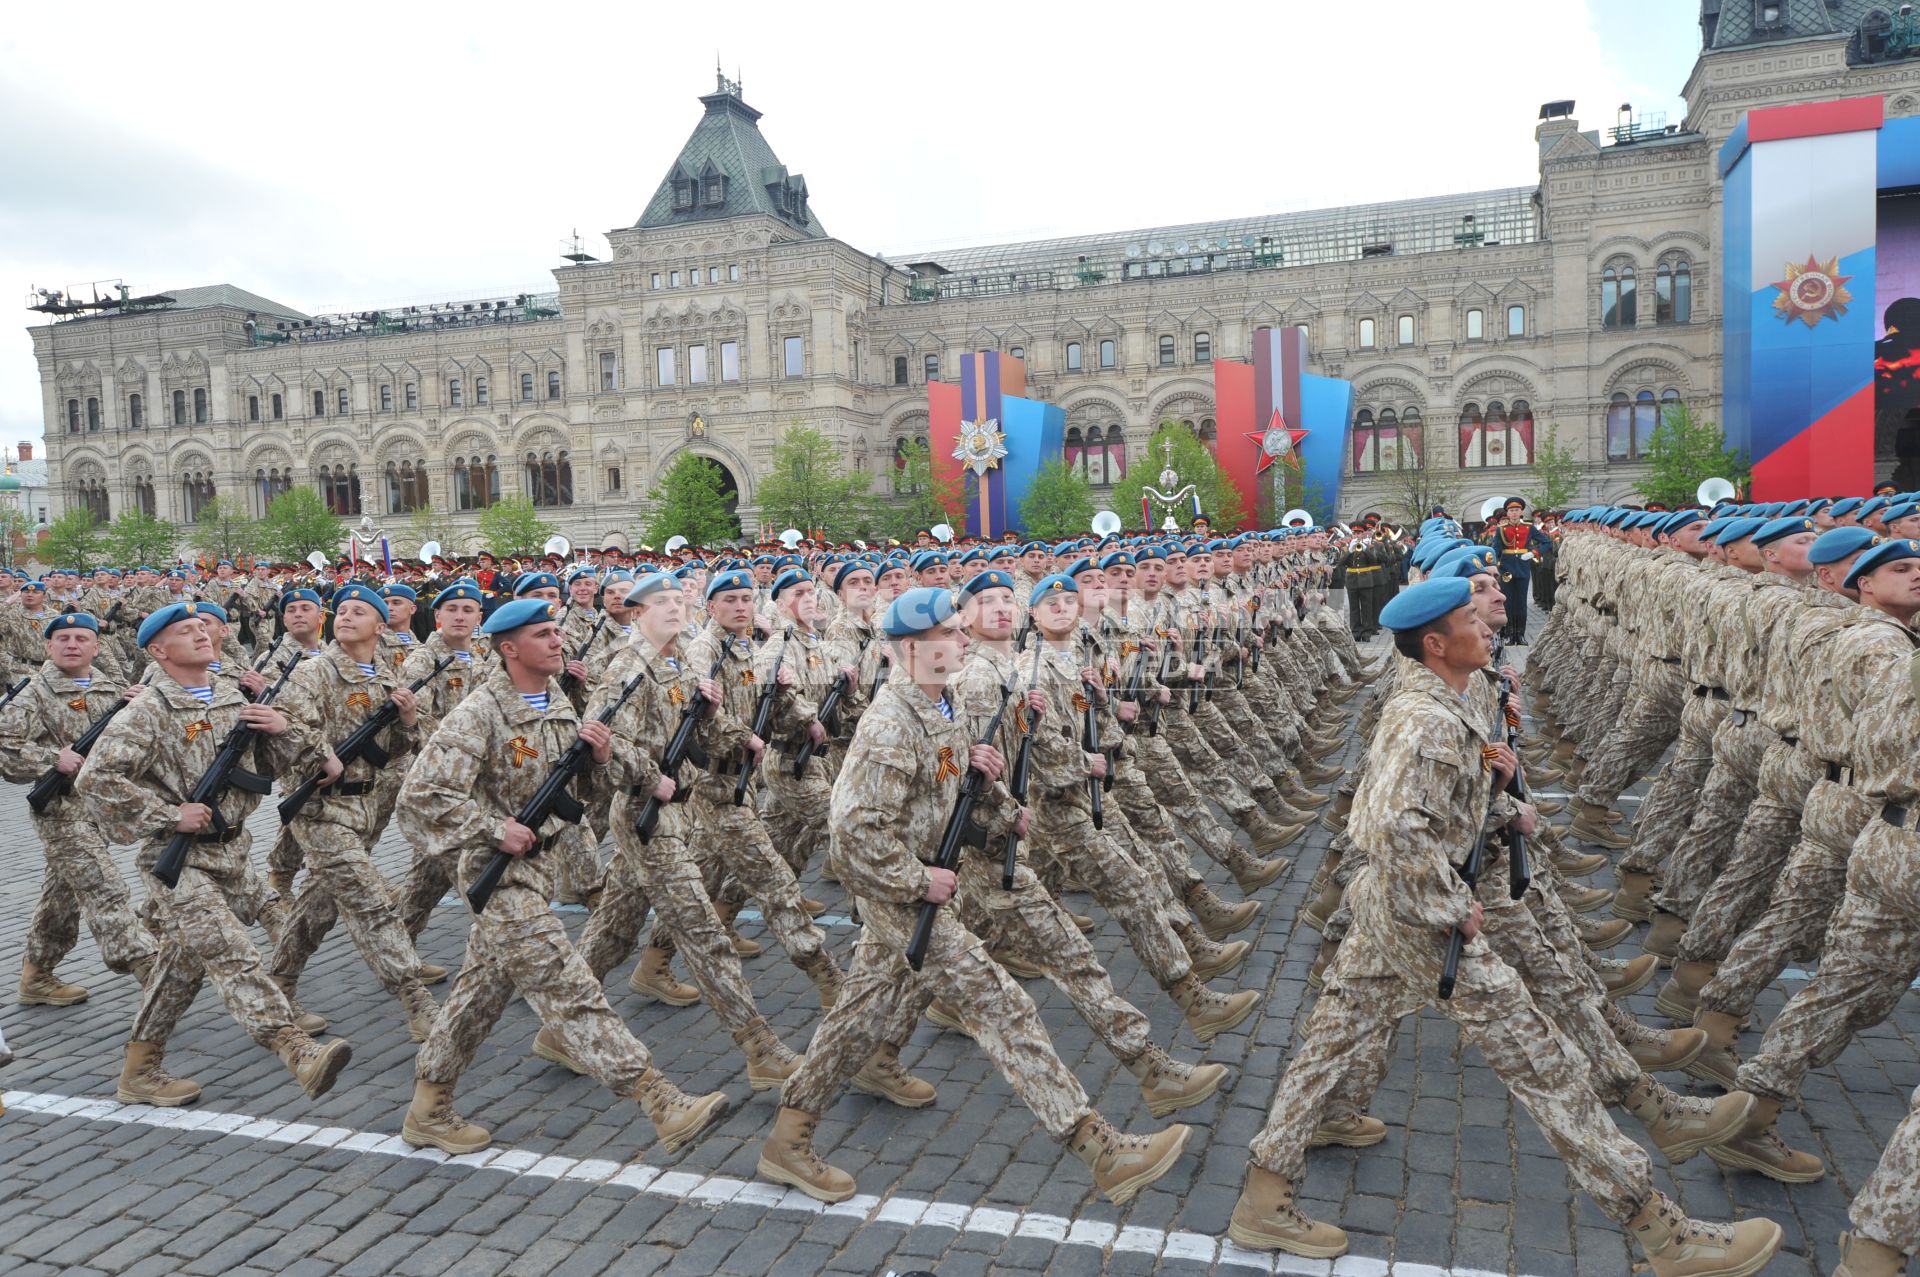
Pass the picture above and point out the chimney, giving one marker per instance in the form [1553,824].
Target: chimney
[26,450]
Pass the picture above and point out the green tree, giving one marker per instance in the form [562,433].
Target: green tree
[1556,471]
[72,541]
[1059,504]
[1416,491]
[1219,499]
[1683,451]
[921,498]
[690,500]
[223,530]
[512,525]
[428,524]
[14,526]
[298,523]
[810,488]
[137,537]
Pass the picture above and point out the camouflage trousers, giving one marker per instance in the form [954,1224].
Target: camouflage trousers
[1028,924]
[1739,890]
[1198,758]
[882,997]
[1174,788]
[1887,1208]
[1246,754]
[735,838]
[1367,995]
[285,856]
[663,871]
[1156,844]
[200,936]
[1804,898]
[428,880]
[1648,723]
[1063,828]
[795,814]
[1872,955]
[518,944]
[343,884]
[1669,807]
[1738,747]
[81,881]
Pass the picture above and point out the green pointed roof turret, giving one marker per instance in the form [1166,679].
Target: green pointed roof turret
[726,169]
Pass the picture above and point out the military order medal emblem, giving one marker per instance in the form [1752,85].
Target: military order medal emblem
[1812,292]
[981,445]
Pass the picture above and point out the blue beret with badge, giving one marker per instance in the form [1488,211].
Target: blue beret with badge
[302,595]
[1739,530]
[847,569]
[917,611]
[171,614]
[1775,529]
[1058,583]
[399,591]
[788,579]
[70,621]
[1836,544]
[1425,603]
[1844,506]
[535,581]
[509,617]
[1116,559]
[213,610]
[464,588]
[724,581]
[1879,556]
[354,591]
[650,584]
[991,579]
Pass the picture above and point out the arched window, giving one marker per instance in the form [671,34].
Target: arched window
[1109,353]
[199,407]
[1387,442]
[1116,454]
[1166,351]
[1673,290]
[550,478]
[1096,456]
[1620,427]
[1076,450]
[455,396]
[1503,438]
[136,412]
[90,494]
[143,495]
[1018,352]
[899,370]
[1404,330]
[476,482]
[319,403]
[1366,334]
[196,490]
[1207,432]
[1472,432]
[1202,347]
[1617,304]
[1476,325]
[480,390]
[406,486]
[340,485]
[280,408]
[179,407]
[553,385]
[73,416]
[1073,356]
[268,483]
[93,414]
[526,386]
[1516,321]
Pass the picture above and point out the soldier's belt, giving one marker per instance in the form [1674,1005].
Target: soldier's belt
[1899,815]
[1840,773]
[350,788]
[1718,693]
[1667,660]
[233,832]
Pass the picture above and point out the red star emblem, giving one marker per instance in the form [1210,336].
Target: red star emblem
[1278,442]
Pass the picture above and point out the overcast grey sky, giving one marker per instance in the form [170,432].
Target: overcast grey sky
[344,155]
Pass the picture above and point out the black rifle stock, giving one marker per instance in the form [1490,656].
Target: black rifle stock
[212,786]
[961,831]
[1519,874]
[567,681]
[1022,776]
[829,714]
[551,799]
[1457,939]
[679,748]
[762,717]
[360,743]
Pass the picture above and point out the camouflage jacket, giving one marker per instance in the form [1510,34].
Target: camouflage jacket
[50,714]
[325,700]
[437,698]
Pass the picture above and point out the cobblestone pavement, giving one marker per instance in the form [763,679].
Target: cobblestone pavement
[257,1179]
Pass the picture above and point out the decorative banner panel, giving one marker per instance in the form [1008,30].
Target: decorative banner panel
[1275,413]
[988,441]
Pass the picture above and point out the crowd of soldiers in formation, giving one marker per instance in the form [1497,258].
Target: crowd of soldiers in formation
[960,736]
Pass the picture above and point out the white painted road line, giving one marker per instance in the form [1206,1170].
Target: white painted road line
[719,1190]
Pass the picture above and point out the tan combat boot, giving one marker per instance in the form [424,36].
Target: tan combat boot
[1680,1247]
[1720,1060]
[1265,1218]
[813,907]
[788,1158]
[1329,866]
[422,1014]
[676,1116]
[1081,921]
[825,974]
[1122,1165]
[1168,1085]
[1209,958]
[44,989]
[432,973]
[1662,1050]
[143,1081]
[432,1123]
[769,1060]
[1580,899]
[1573,864]
[882,1075]
[1218,918]
[1322,774]
[304,1020]
[1679,997]
[551,1047]
[945,1016]
[1269,834]
[1623,979]
[1334,818]
[1865,1257]
[1322,959]
[1681,1126]
[1634,900]
[281,881]
[1250,873]
[1546,806]
[1601,936]
[1663,937]
[742,947]
[314,1065]
[653,978]
[1356,1130]
[1590,825]
[1017,967]
[1207,1013]
[1324,906]
[1758,1147]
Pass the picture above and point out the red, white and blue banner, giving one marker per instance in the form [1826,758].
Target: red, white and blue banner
[989,441]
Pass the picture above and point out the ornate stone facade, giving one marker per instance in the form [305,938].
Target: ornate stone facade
[728,311]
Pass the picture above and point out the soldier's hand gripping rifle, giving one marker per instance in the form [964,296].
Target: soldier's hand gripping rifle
[551,799]
[225,773]
[53,782]
[680,747]
[568,682]
[1022,775]
[360,743]
[762,718]
[829,713]
[962,830]
[1469,874]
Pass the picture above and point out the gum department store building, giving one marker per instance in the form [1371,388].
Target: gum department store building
[1585,299]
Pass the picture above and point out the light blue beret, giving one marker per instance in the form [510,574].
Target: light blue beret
[1836,544]
[509,617]
[71,621]
[355,590]
[1425,603]
[1775,529]
[916,611]
[1879,556]
[1057,583]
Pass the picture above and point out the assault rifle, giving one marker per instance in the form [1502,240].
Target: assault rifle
[1022,776]
[1519,876]
[225,773]
[1457,939]
[1090,741]
[567,681]
[680,748]
[14,691]
[551,799]
[829,714]
[961,831]
[360,743]
[762,717]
